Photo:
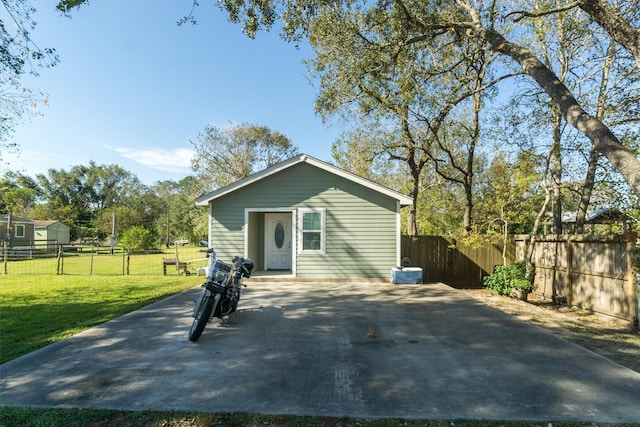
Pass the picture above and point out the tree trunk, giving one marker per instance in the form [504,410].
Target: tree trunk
[505,235]
[530,272]
[412,226]
[556,171]
[466,218]
[604,141]
[585,194]
[617,27]
[590,178]
[469,173]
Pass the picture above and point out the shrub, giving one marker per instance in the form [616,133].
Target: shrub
[138,238]
[506,279]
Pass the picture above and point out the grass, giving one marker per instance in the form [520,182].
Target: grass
[39,310]
[99,261]
[39,307]
[20,417]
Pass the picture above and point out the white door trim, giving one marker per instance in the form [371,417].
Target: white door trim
[294,227]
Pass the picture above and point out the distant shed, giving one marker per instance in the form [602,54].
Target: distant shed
[52,231]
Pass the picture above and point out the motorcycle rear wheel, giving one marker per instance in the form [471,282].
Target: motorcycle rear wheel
[234,306]
[202,317]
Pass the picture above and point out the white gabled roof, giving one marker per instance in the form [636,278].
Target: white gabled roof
[301,158]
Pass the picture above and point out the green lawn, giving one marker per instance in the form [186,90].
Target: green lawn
[37,310]
[34,417]
[88,261]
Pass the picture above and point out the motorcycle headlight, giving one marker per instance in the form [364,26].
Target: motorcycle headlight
[220,276]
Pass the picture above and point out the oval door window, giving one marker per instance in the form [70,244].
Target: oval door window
[279,235]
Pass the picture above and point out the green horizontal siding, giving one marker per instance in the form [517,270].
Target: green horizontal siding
[360,222]
[227,232]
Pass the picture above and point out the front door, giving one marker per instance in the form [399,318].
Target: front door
[278,241]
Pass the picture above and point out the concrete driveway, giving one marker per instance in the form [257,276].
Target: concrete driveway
[365,350]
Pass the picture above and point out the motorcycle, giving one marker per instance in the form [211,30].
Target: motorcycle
[220,291]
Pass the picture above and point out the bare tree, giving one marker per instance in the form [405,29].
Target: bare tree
[224,156]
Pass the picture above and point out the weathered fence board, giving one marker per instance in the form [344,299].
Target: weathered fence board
[449,260]
[586,271]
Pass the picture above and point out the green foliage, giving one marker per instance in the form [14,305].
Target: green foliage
[138,238]
[507,278]
[65,6]
[474,240]
[178,218]
[510,194]
[17,193]
[88,198]
[408,84]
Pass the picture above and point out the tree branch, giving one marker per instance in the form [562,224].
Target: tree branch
[521,14]
[601,136]
[617,26]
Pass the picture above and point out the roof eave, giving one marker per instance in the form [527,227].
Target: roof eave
[205,199]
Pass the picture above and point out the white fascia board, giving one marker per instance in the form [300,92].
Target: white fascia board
[302,158]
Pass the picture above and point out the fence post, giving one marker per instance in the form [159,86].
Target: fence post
[633,271]
[91,263]
[59,259]
[5,253]
[569,271]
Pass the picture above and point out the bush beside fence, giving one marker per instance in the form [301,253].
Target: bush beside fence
[596,273]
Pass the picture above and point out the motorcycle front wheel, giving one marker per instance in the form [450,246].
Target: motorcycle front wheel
[202,317]
[198,304]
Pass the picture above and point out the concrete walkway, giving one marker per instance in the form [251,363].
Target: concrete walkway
[366,350]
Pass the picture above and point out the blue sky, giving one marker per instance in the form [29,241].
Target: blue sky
[132,88]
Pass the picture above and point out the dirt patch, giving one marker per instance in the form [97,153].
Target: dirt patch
[613,338]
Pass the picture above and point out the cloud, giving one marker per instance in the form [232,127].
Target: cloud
[165,160]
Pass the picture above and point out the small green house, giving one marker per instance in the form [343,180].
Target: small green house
[307,219]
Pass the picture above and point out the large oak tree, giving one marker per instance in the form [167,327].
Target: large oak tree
[429,19]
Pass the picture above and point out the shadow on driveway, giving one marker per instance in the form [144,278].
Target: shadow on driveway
[363,350]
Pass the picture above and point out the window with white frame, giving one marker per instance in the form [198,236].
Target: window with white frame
[312,231]
[20,231]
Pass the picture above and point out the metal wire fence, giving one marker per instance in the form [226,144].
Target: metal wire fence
[48,258]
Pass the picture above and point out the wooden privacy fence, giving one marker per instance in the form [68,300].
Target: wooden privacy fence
[451,261]
[591,272]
